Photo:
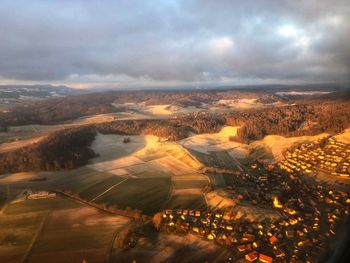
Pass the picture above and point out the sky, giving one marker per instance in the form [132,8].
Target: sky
[165,43]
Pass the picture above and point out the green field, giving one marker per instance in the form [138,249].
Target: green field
[76,256]
[217,159]
[87,183]
[40,205]
[187,184]
[16,233]
[146,194]
[204,158]
[70,231]
[58,238]
[262,153]
[20,222]
[217,180]
[223,160]
[17,230]
[99,187]
[147,170]
[189,201]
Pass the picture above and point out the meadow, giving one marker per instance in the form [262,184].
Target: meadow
[56,228]
[188,201]
[146,194]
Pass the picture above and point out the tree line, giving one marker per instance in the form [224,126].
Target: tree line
[171,129]
[65,149]
[65,109]
[69,148]
[295,120]
[58,110]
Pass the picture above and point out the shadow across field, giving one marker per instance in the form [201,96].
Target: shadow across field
[110,147]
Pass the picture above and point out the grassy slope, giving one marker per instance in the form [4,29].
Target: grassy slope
[148,194]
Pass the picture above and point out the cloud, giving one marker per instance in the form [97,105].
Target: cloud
[134,43]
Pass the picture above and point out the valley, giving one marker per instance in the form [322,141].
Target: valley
[208,188]
[175,131]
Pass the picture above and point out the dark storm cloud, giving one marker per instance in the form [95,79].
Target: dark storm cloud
[174,41]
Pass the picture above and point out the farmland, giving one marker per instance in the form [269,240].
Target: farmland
[38,229]
[213,141]
[216,159]
[83,180]
[174,131]
[173,165]
[187,201]
[147,170]
[111,147]
[144,174]
[217,180]
[148,175]
[189,181]
[149,178]
[146,194]
[174,248]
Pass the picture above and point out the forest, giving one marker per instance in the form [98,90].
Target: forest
[65,149]
[69,148]
[58,110]
[294,120]
[66,109]
[171,129]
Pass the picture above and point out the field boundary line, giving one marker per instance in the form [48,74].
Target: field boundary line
[106,191]
[31,245]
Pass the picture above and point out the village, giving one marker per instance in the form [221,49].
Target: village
[327,155]
[310,214]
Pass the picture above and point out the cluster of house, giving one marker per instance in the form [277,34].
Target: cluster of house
[329,156]
[310,215]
